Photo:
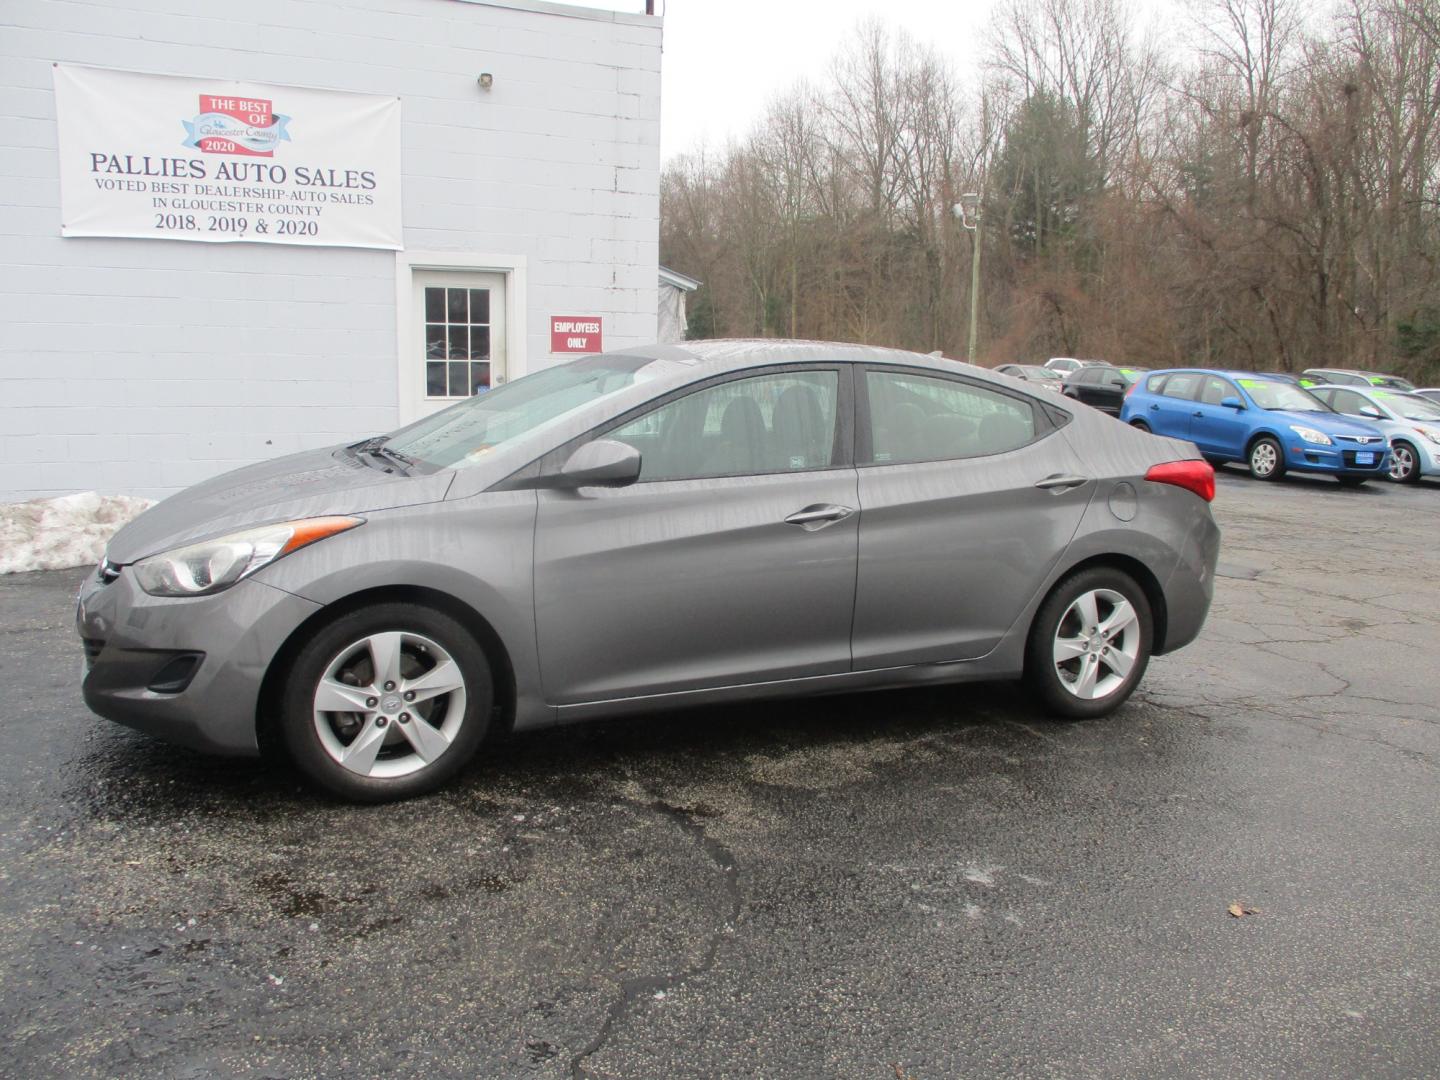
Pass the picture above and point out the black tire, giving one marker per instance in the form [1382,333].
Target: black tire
[1140,425]
[1265,459]
[1352,481]
[1404,463]
[300,728]
[1042,671]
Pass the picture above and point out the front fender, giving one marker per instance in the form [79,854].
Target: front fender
[478,551]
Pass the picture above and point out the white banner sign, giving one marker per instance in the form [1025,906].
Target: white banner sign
[206,159]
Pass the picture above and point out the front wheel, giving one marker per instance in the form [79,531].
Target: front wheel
[1404,463]
[1266,459]
[386,702]
[1089,644]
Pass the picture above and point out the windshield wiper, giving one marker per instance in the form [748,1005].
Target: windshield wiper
[377,447]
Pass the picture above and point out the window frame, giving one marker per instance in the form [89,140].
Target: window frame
[842,451]
[1047,422]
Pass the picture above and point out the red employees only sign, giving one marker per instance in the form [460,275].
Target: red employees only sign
[574,334]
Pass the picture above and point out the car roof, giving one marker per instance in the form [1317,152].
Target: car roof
[735,353]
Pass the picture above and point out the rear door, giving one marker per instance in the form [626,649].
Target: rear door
[731,560]
[1218,429]
[955,534]
[1170,411]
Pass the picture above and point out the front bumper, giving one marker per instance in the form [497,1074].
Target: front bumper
[133,640]
[1338,458]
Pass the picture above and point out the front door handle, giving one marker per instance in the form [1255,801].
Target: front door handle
[1061,483]
[818,515]
[1198,412]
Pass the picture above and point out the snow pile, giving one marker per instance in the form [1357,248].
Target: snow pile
[56,534]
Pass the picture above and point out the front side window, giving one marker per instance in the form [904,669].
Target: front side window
[1350,403]
[745,427]
[1215,391]
[919,418]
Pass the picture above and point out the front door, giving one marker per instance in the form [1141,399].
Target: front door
[458,346]
[1218,429]
[730,561]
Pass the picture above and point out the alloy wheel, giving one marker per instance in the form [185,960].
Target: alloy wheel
[389,704]
[1096,644]
[1402,462]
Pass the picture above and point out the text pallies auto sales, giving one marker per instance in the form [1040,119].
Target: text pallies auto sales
[252,172]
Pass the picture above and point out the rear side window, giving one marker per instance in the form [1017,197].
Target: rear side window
[1182,384]
[918,418]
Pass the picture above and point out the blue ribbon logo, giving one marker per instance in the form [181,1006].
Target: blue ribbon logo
[257,140]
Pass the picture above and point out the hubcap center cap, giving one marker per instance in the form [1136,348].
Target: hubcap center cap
[391,703]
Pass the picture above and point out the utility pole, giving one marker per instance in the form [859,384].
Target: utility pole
[968,210]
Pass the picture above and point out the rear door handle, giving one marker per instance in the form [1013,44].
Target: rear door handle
[1061,483]
[1154,407]
[818,515]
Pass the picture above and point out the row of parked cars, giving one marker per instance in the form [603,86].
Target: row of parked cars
[1354,425]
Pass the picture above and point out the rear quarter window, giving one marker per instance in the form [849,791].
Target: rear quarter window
[1156,383]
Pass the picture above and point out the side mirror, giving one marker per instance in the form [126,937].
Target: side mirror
[602,463]
[1371,412]
[1233,403]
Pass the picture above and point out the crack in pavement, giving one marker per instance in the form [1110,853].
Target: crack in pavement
[634,991]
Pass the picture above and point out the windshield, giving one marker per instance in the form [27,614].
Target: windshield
[1409,406]
[462,434]
[1393,382]
[1268,394]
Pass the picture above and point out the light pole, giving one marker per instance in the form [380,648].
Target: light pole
[968,211]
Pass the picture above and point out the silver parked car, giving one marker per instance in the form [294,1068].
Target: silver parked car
[643,530]
[1411,423]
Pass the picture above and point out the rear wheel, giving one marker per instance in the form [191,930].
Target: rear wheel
[1404,463]
[1090,644]
[1140,425]
[386,702]
[1266,459]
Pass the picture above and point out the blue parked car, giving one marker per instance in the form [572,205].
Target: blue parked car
[1269,424]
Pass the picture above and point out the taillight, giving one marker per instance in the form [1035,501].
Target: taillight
[1131,388]
[1196,476]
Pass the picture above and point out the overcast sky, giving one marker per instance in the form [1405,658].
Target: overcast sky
[725,59]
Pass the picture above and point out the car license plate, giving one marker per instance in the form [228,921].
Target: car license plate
[1364,457]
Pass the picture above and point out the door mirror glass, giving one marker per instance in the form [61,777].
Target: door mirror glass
[1233,403]
[602,463]
[1372,412]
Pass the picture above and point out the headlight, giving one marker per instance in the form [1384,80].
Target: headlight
[1310,435]
[213,565]
[1429,434]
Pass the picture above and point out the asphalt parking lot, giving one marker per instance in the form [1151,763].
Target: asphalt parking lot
[926,884]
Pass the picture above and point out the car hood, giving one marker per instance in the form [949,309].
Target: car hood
[1329,423]
[313,483]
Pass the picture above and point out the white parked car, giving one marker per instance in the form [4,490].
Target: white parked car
[1066,364]
[1411,422]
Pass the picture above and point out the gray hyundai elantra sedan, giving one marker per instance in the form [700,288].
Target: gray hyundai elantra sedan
[648,529]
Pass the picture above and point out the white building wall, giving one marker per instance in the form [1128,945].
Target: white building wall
[142,366]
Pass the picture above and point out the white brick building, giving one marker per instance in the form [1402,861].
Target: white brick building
[140,366]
